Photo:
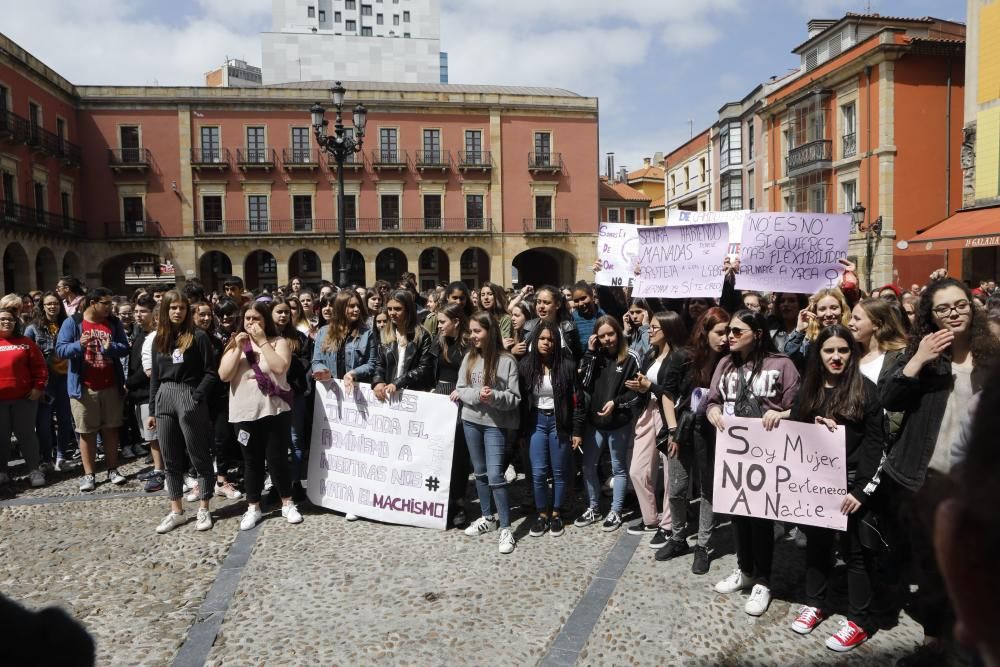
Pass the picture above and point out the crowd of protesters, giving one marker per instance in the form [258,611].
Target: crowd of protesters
[580,387]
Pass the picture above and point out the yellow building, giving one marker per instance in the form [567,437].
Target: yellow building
[650,181]
[982,104]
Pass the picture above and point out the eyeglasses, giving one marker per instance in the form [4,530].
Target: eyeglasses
[944,310]
[736,332]
[653,328]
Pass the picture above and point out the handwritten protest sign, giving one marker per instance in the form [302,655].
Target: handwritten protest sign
[389,461]
[617,244]
[681,262]
[795,473]
[792,252]
[732,218]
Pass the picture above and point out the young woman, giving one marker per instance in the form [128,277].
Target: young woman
[307,299]
[299,320]
[403,360]
[751,381]
[666,337]
[373,302]
[877,329]
[520,314]
[635,324]
[826,308]
[458,292]
[434,300]
[835,392]
[784,317]
[380,322]
[255,364]
[586,311]
[550,305]
[910,304]
[44,331]
[324,311]
[550,398]
[490,395]
[448,350]
[692,453]
[301,347]
[493,300]
[695,308]
[23,374]
[607,364]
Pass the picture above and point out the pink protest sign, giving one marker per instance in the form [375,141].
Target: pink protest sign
[680,262]
[792,251]
[795,473]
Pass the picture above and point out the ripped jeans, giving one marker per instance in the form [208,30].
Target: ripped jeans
[487,450]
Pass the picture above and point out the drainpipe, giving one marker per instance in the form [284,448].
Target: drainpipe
[947,147]
[869,260]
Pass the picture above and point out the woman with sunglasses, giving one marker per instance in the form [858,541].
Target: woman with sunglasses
[835,392]
[751,381]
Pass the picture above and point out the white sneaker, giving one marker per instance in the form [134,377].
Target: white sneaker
[734,582]
[480,526]
[510,474]
[194,494]
[116,477]
[87,483]
[506,541]
[250,518]
[170,522]
[37,478]
[204,519]
[291,513]
[127,452]
[62,465]
[351,517]
[228,490]
[268,484]
[189,482]
[760,598]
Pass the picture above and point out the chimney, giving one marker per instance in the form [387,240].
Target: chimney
[658,158]
[816,26]
[610,167]
[646,162]
[623,175]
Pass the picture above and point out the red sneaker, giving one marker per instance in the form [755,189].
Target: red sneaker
[807,620]
[849,636]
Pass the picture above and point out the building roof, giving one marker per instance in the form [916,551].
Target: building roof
[428,88]
[621,192]
[870,17]
[653,172]
[969,228]
[659,202]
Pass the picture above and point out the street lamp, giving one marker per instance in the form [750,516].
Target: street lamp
[341,145]
[872,232]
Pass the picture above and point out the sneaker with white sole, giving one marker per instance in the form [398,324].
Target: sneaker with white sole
[127,452]
[251,518]
[808,619]
[759,600]
[37,478]
[612,522]
[849,637]
[736,581]
[351,517]
[194,494]
[189,483]
[507,541]
[481,526]
[116,477]
[268,485]
[291,513]
[204,521]
[87,483]
[228,490]
[589,516]
[171,521]
[62,465]
[510,474]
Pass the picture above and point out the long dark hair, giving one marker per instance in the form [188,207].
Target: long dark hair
[459,286]
[168,335]
[763,345]
[411,330]
[562,371]
[703,357]
[41,320]
[559,299]
[673,328]
[606,320]
[288,332]
[491,351]
[262,309]
[847,398]
[984,346]
[453,311]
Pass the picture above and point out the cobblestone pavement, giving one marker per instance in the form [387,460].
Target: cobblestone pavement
[330,592]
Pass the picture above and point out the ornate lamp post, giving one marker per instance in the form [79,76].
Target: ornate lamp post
[872,232]
[341,146]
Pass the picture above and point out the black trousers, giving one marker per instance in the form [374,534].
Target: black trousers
[820,563]
[754,545]
[269,439]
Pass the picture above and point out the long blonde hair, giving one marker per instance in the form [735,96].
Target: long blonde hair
[845,310]
[338,328]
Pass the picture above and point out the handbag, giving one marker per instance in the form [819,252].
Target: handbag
[264,381]
[746,404]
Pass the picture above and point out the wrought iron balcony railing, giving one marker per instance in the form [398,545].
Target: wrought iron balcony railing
[26,217]
[547,225]
[546,161]
[128,229]
[849,145]
[211,157]
[809,157]
[126,158]
[475,160]
[327,226]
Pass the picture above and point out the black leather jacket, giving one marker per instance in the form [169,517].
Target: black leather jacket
[418,364]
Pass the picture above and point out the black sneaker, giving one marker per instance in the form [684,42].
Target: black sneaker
[539,527]
[640,528]
[612,522]
[589,516]
[556,526]
[701,560]
[660,539]
[672,549]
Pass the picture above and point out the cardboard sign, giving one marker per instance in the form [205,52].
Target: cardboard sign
[792,252]
[617,244]
[681,262]
[732,218]
[795,473]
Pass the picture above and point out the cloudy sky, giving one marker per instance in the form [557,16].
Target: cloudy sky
[660,67]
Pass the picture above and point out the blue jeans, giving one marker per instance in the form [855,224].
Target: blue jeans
[486,449]
[300,436]
[549,453]
[617,441]
[61,439]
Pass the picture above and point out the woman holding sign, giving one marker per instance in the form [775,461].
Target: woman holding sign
[752,381]
[836,392]
[404,358]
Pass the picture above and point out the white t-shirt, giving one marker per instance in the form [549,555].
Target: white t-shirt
[400,353]
[872,369]
[545,397]
[654,370]
[955,411]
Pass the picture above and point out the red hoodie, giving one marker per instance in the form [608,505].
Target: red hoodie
[22,368]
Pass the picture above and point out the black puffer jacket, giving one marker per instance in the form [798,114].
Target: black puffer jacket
[603,379]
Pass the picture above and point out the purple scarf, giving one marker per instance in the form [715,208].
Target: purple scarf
[264,381]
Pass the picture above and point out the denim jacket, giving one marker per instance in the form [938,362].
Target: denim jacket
[68,347]
[359,354]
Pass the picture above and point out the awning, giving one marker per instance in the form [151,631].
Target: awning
[971,228]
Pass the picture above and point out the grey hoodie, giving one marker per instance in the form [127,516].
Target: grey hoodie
[502,411]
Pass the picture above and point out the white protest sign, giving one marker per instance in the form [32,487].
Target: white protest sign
[796,472]
[389,461]
[617,243]
[732,218]
[792,252]
[680,262]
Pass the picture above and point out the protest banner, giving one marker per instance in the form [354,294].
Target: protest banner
[389,461]
[732,218]
[796,472]
[680,262]
[617,244]
[792,252]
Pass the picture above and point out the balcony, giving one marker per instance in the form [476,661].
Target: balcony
[255,158]
[434,160]
[299,158]
[849,145]
[475,160]
[33,219]
[13,127]
[809,157]
[133,229]
[130,159]
[389,159]
[545,162]
[546,225]
[44,142]
[211,158]
[329,227]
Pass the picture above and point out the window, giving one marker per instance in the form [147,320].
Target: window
[257,212]
[673,184]
[817,199]
[9,189]
[129,137]
[406,35]
[406,17]
[687,178]
[395,19]
[432,146]
[350,26]
[4,93]
[366,10]
[210,150]
[388,145]
[211,211]
[630,216]
[61,129]
[35,118]
[849,141]
[366,31]
[701,171]
[350,212]
[613,214]
[301,152]
[474,211]
[379,19]
[132,215]
[751,189]
[730,145]
[256,150]
[66,204]
[39,190]
[390,212]
[322,16]
[543,148]
[750,140]
[267,265]
[350,4]
[731,192]
[474,147]
[302,213]
[849,195]
[337,16]
[432,212]
[543,212]
[311,12]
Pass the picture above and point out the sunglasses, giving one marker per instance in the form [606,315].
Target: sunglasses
[736,332]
